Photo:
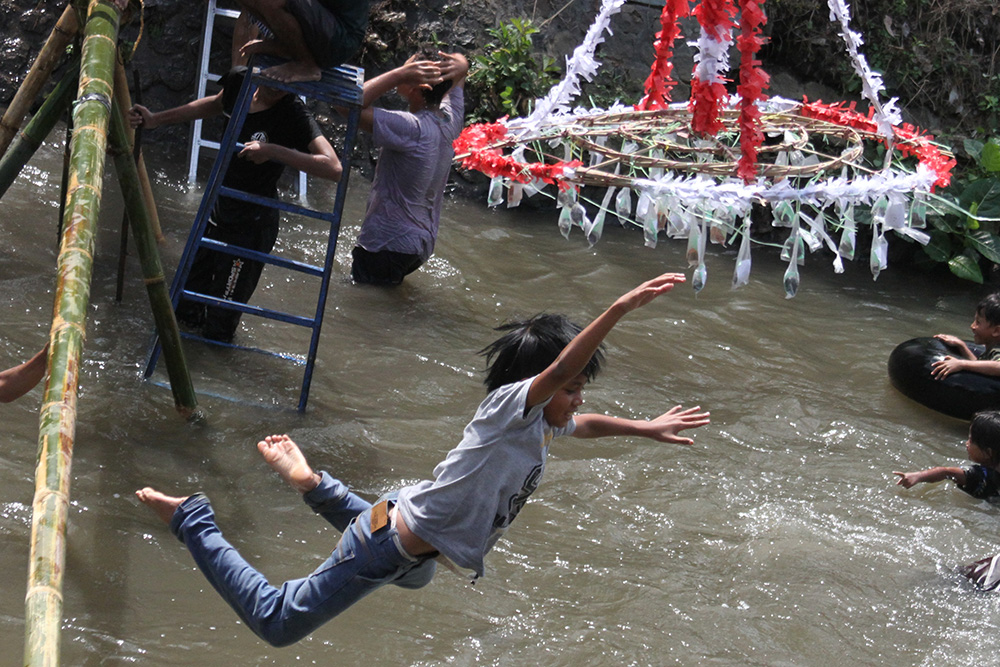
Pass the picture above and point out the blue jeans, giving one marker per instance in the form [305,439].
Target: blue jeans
[362,562]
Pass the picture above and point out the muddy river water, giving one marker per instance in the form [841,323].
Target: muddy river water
[779,538]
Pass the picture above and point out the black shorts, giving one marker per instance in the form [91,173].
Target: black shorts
[382,268]
[333,29]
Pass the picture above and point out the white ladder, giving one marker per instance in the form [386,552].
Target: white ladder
[198,141]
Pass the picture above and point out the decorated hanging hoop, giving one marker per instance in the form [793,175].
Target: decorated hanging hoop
[699,167]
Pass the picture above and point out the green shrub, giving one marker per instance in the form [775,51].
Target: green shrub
[508,77]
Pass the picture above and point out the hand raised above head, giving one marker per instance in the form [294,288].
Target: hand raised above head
[418,72]
[649,290]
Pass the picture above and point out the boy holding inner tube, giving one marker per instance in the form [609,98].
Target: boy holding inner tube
[985,331]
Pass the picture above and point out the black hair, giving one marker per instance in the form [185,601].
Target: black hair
[984,432]
[529,347]
[434,94]
[989,308]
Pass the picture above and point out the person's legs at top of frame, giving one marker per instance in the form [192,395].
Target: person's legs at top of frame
[312,34]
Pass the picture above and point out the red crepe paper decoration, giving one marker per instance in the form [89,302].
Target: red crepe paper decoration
[753,80]
[716,19]
[913,140]
[659,84]
[472,147]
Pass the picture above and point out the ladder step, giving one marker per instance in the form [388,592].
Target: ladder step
[268,202]
[247,253]
[296,359]
[343,85]
[247,308]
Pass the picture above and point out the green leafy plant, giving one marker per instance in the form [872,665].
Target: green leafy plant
[967,236]
[508,77]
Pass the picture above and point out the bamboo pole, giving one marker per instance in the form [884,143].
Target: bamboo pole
[152,269]
[57,416]
[55,46]
[122,97]
[31,137]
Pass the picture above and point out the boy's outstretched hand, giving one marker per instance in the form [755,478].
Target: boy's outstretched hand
[666,427]
[649,290]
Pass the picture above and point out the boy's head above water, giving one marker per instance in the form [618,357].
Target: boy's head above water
[984,436]
[986,325]
[529,347]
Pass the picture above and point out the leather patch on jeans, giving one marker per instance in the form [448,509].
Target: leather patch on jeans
[380,516]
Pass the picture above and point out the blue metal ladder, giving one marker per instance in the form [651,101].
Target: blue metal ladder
[340,86]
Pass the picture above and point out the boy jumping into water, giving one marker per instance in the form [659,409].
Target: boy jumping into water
[535,375]
[985,331]
[982,479]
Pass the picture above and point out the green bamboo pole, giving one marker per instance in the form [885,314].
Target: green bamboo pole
[152,269]
[62,34]
[125,100]
[31,137]
[57,417]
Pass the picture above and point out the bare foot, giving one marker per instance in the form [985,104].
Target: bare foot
[162,504]
[285,457]
[293,70]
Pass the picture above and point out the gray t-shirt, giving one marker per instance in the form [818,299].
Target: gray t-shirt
[404,206]
[484,482]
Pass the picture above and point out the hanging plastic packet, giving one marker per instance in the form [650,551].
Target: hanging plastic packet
[699,278]
[791,279]
[741,275]
[794,246]
[694,245]
[623,206]
[848,237]
[644,208]
[593,233]
[495,195]
[565,221]
[593,229]
[879,258]
[514,194]
[717,234]
[701,273]
[784,214]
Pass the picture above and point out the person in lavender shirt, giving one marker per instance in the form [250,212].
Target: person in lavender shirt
[415,154]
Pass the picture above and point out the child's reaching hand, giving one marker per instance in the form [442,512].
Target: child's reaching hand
[649,290]
[666,427]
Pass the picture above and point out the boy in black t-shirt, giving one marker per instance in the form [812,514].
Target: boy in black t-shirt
[278,131]
[982,479]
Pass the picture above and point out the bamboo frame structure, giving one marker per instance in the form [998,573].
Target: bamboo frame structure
[62,34]
[57,417]
[152,270]
[123,99]
[31,137]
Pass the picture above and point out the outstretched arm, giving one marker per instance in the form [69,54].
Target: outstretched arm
[664,428]
[575,356]
[321,160]
[19,380]
[930,476]
[206,107]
